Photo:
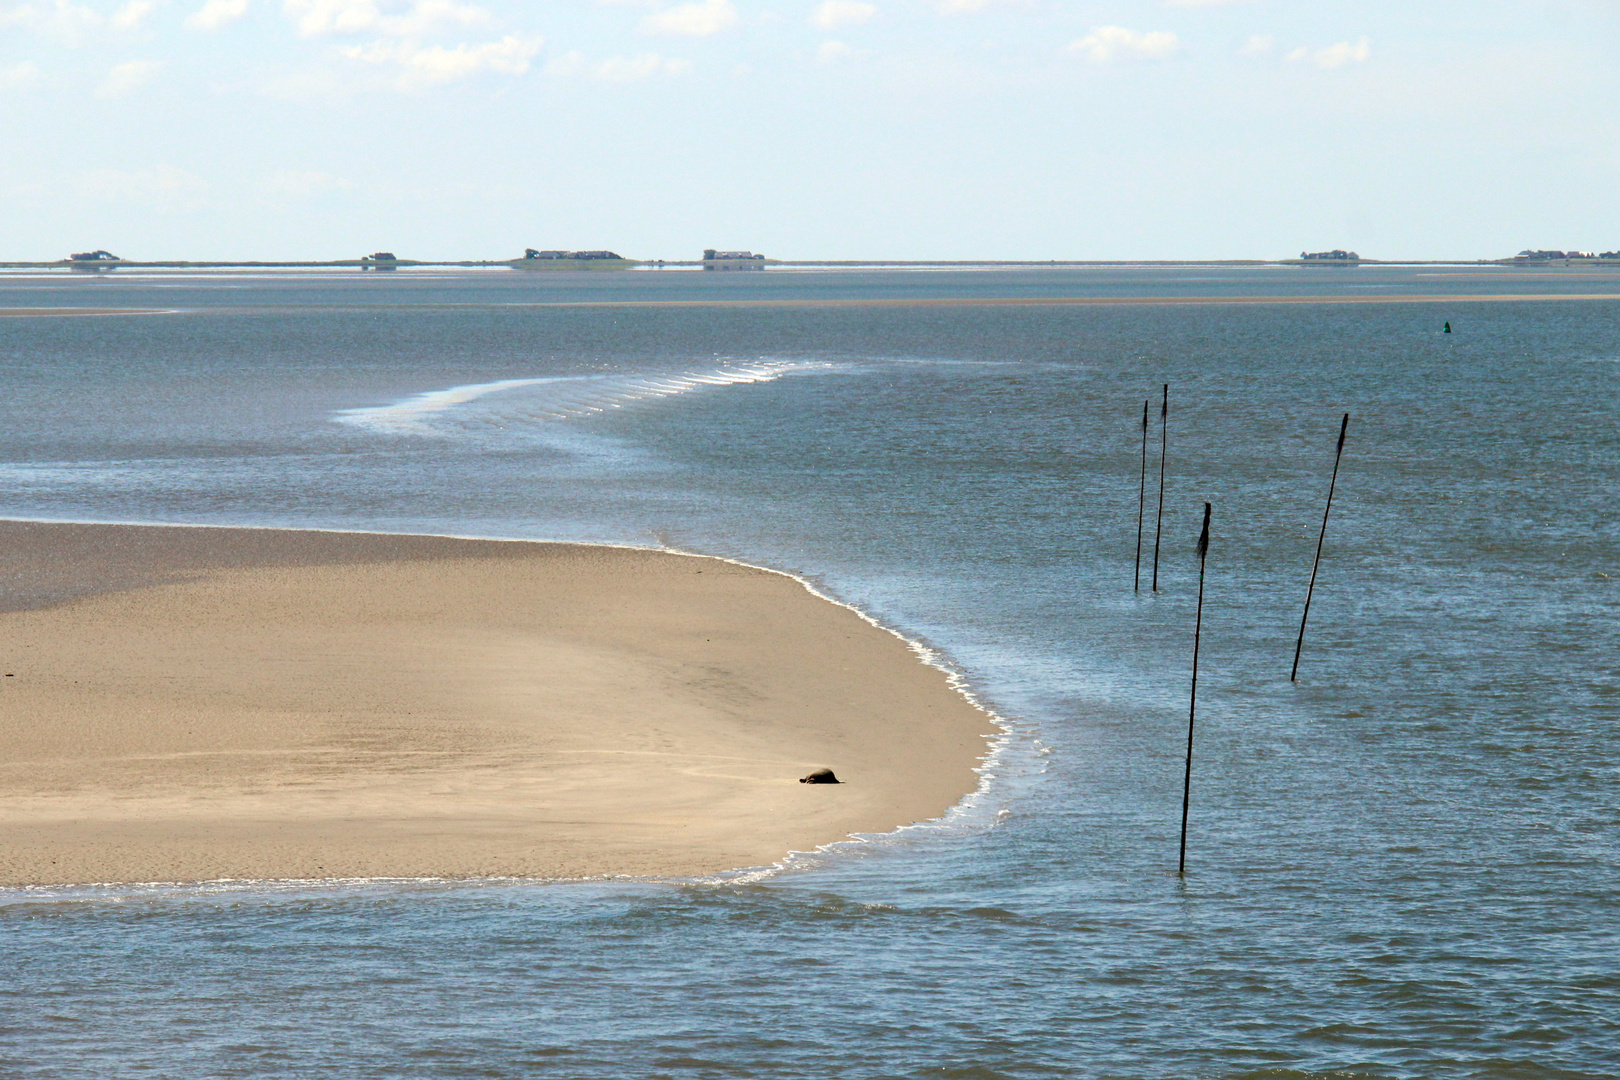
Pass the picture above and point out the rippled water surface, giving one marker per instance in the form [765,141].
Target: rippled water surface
[1402,866]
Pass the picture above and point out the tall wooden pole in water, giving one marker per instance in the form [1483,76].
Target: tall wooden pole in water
[1344,425]
[1192,707]
[1164,446]
[1141,500]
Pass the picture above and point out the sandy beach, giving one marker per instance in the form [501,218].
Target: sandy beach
[182,704]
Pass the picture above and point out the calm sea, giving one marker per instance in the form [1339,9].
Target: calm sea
[1404,865]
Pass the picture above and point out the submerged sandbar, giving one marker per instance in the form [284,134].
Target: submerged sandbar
[183,704]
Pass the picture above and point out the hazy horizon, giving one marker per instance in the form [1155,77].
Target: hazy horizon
[500,260]
[813,129]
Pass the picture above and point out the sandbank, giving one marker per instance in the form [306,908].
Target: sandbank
[186,704]
[1072,301]
[76,312]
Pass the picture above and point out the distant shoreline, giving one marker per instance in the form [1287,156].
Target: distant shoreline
[923,302]
[898,264]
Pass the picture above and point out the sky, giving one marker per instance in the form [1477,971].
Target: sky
[808,129]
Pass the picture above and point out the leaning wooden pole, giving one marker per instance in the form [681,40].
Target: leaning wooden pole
[1141,500]
[1192,707]
[1344,426]
[1164,447]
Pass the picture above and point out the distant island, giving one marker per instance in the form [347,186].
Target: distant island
[101,260]
[732,260]
[1551,255]
[598,259]
[92,260]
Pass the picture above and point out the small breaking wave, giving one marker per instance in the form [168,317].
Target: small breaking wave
[553,398]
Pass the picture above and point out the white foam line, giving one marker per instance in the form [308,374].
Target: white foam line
[409,412]
[582,396]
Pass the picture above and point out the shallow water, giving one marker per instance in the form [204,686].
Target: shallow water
[1402,866]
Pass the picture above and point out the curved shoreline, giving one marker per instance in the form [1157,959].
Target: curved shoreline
[206,702]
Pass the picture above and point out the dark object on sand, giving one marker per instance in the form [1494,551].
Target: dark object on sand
[820,776]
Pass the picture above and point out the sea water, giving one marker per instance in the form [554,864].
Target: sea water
[1403,865]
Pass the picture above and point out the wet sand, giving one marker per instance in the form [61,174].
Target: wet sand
[1087,301]
[181,704]
[898,302]
[44,313]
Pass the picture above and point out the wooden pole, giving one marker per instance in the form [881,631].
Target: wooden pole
[1141,500]
[1164,446]
[1344,425]
[1192,707]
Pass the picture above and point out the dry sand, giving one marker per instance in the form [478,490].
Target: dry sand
[182,704]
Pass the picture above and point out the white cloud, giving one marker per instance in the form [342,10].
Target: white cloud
[701,18]
[1342,53]
[164,184]
[427,16]
[19,76]
[616,69]
[131,15]
[1107,43]
[1258,45]
[620,69]
[430,65]
[832,51]
[302,184]
[836,13]
[217,13]
[1334,56]
[316,18]
[969,7]
[60,20]
[126,77]
[568,64]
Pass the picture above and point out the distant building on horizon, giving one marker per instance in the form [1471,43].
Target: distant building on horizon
[1336,255]
[1549,254]
[531,253]
[92,260]
[732,260]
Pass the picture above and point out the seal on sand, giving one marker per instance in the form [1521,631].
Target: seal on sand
[820,776]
